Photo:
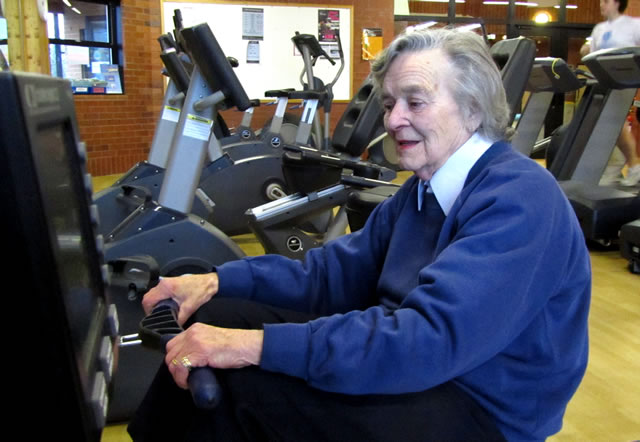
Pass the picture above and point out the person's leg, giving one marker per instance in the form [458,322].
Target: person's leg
[627,144]
[264,406]
[274,407]
[167,412]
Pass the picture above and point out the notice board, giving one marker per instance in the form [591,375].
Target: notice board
[259,37]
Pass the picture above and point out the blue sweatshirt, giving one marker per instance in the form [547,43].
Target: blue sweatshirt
[495,300]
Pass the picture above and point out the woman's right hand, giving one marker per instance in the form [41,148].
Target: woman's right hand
[188,291]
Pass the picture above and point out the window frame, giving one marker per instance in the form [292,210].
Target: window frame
[114,20]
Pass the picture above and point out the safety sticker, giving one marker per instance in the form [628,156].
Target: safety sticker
[171,114]
[197,127]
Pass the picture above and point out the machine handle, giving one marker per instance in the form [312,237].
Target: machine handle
[204,387]
[134,196]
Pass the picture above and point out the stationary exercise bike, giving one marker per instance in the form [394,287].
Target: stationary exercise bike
[166,230]
[243,169]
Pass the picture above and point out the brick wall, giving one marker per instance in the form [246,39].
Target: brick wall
[118,129]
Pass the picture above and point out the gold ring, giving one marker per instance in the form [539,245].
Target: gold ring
[174,362]
[186,363]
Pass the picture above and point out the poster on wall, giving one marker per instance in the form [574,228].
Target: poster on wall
[253,51]
[371,43]
[328,25]
[252,23]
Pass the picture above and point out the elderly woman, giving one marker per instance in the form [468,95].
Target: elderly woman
[459,312]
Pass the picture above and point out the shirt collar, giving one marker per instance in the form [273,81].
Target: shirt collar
[448,181]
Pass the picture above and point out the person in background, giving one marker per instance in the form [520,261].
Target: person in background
[618,31]
[458,312]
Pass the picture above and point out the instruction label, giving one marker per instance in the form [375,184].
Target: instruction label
[171,114]
[197,127]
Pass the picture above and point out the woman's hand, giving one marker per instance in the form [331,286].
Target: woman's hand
[189,291]
[204,345]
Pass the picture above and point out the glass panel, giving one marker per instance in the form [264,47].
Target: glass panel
[543,45]
[77,62]
[571,99]
[89,69]
[82,22]
[4,49]
[583,11]
[483,8]
[433,7]
[539,11]
[495,33]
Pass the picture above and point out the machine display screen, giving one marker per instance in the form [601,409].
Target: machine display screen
[61,193]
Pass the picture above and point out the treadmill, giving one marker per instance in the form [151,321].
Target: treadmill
[549,76]
[589,140]
[630,245]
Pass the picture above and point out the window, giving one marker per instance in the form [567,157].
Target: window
[4,48]
[85,44]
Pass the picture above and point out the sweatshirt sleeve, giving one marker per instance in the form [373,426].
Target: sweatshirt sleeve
[339,277]
[504,261]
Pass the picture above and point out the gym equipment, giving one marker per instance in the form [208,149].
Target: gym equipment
[156,330]
[117,202]
[179,241]
[130,278]
[548,76]
[585,145]
[360,124]
[63,301]
[242,171]
[322,182]
[514,58]
[312,51]
[144,180]
[630,244]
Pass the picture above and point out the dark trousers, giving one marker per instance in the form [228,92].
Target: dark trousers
[264,406]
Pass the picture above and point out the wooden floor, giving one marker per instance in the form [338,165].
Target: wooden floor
[607,404]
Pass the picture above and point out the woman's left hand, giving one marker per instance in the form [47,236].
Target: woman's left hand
[205,345]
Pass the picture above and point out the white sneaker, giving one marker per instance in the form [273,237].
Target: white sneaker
[612,175]
[633,176]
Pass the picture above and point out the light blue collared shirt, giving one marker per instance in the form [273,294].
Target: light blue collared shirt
[448,181]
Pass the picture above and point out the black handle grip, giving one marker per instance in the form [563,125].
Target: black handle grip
[204,387]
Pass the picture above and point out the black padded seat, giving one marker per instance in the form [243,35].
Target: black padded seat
[360,204]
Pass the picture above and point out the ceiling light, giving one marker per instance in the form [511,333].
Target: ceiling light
[504,2]
[542,17]
[470,27]
[421,26]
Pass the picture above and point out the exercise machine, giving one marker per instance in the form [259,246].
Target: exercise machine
[585,145]
[361,124]
[62,297]
[322,182]
[630,244]
[166,230]
[549,76]
[241,170]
